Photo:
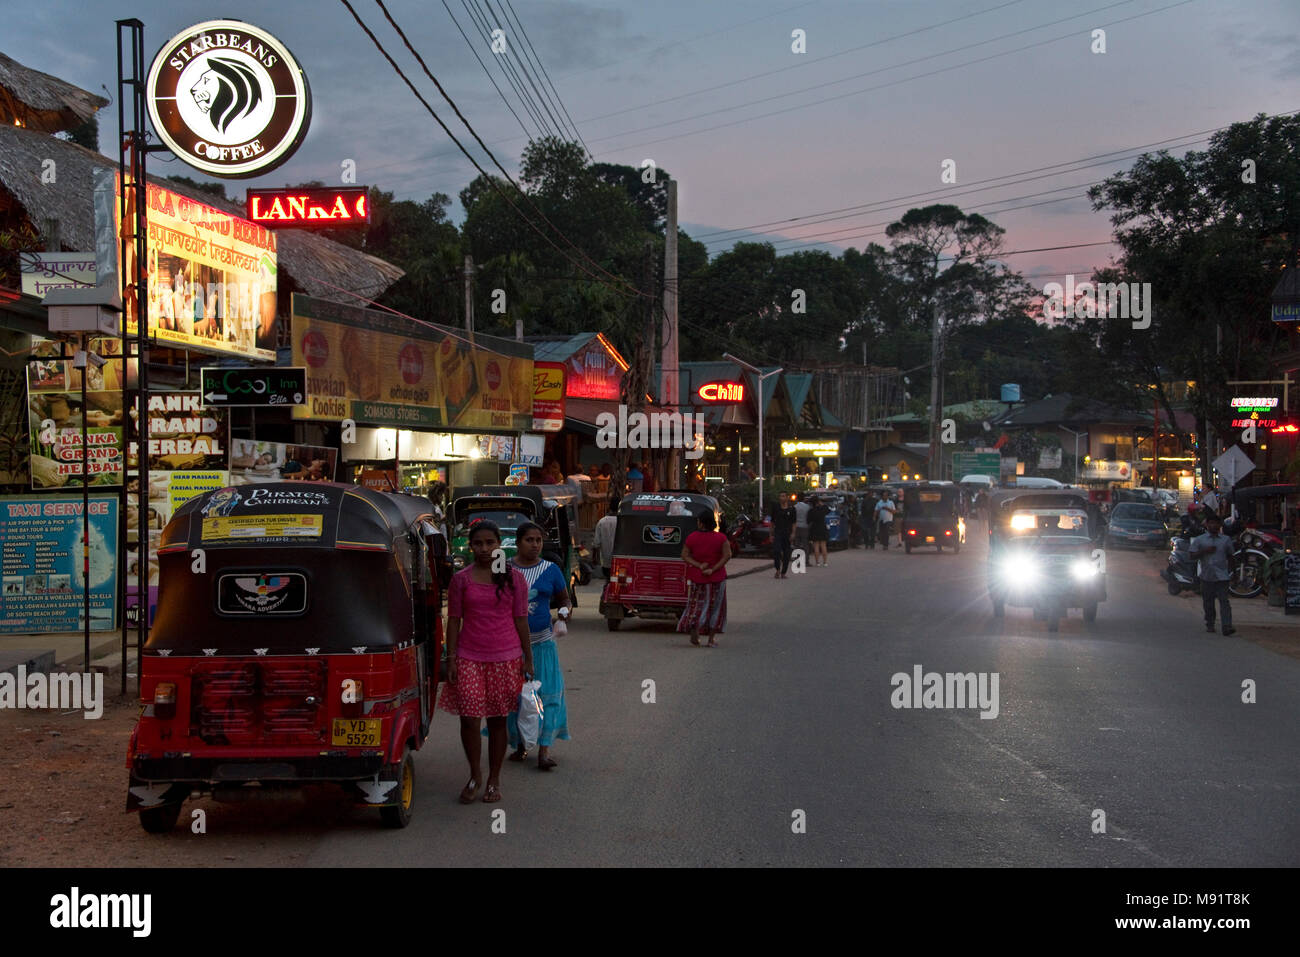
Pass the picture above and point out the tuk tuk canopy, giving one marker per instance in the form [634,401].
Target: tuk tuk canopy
[655,524]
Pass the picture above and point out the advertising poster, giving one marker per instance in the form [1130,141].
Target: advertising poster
[183,435]
[384,370]
[40,551]
[55,415]
[43,271]
[595,371]
[548,396]
[253,462]
[212,277]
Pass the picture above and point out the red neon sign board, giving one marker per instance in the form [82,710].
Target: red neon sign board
[310,208]
[722,392]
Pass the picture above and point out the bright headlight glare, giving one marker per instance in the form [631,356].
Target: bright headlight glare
[1083,569]
[1020,569]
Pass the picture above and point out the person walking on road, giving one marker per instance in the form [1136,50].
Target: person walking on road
[706,552]
[783,519]
[488,654]
[885,519]
[546,589]
[1214,567]
[801,510]
[817,531]
[604,536]
[869,504]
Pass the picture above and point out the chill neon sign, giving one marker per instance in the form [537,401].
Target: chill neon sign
[722,392]
[309,208]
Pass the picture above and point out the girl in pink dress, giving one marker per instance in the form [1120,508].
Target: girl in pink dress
[488,653]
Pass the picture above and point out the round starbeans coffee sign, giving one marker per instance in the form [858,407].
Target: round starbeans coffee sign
[228,99]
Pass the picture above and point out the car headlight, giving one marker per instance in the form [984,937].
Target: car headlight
[1084,569]
[1020,569]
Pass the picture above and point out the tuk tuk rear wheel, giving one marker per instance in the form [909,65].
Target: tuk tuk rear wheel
[161,819]
[613,623]
[999,608]
[399,815]
[1090,611]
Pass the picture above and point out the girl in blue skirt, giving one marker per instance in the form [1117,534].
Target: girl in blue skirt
[546,589]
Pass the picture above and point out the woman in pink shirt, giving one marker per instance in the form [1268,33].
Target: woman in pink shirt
[706,553]
[489,653]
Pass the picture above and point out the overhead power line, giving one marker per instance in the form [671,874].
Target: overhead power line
[537,60]
[486,71]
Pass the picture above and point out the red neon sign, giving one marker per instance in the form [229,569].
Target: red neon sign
[310,208]
[722,392]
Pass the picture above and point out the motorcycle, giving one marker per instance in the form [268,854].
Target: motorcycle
[1249,570]
[739,534]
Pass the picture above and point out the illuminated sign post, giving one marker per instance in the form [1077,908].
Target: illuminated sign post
[722,392]
[1259,411]
[310,208]
[812,448]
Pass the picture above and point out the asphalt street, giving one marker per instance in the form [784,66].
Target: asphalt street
[1138,716]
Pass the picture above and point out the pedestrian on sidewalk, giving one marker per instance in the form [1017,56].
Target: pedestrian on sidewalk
[818,534]
[547,589]
[783,519]
[488,654]
[801,510]
[1215,566]
[706,552]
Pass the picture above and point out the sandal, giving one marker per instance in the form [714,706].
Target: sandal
[469,792]
[712,643]
[518,754]
[695,640]
[492,794]
[545,764]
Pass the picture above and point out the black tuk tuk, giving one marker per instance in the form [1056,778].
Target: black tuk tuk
[647,576]
[932,516]
[1043,554]
[553,507]
[296,643]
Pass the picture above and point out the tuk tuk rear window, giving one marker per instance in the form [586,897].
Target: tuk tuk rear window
[661,535]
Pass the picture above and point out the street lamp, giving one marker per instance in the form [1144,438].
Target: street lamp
[754,370]
[1076,435]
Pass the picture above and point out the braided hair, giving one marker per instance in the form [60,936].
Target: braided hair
[500,579]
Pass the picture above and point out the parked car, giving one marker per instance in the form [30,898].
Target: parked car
[1134,524]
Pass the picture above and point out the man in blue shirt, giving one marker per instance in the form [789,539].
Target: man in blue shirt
[1213,550]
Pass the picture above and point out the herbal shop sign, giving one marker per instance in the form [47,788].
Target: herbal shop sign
[228,98]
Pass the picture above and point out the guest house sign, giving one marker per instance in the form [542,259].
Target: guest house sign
[228,99]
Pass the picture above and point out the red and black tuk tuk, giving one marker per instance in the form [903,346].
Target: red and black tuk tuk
[647,577]
[296,643]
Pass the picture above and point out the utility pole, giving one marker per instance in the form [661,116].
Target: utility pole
[936,394]
[469,297]
[668,385]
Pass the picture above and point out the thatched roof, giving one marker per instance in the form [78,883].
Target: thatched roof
[316,265]
[42,102]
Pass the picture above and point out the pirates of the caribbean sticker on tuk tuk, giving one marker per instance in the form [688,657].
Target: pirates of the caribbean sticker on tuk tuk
[228,98]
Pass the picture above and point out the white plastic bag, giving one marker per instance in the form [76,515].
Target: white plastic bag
[530,713]
[559,629]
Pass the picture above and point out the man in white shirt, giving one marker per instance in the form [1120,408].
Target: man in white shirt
[801,510]
[604,538]
[885,509]
[1214,567]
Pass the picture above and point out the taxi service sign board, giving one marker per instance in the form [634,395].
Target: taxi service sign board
[228,98]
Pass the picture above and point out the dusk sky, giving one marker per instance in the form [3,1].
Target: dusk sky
[999,87]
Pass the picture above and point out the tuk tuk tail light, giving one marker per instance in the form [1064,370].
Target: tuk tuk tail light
[947,531]
[911,531]
[164,700]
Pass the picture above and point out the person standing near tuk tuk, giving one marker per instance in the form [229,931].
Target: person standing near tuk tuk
[488,654]
[783,519]
[604,537]
[868,506]
[546,589]
[885,519]
[706,552]
[818,534]
[801,510]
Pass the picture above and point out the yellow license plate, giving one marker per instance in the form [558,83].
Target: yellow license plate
[929,539]
[356,732]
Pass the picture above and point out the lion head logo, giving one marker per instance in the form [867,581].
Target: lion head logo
[227,91]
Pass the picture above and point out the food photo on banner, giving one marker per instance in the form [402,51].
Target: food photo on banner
[55,415]
[383,370]
[40,550]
